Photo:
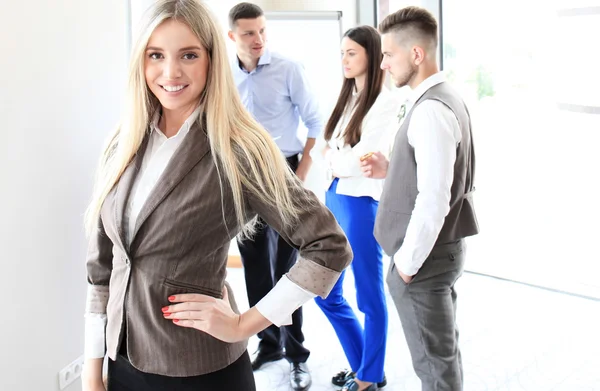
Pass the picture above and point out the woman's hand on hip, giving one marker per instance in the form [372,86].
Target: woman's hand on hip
[205,313]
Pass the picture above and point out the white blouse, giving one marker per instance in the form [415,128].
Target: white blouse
[378,129]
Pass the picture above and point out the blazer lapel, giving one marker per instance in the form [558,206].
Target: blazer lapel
[190,152]
[124,189]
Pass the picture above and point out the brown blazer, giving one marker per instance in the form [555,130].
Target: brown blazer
[180,244]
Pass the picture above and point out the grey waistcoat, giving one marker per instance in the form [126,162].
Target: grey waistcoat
[400,189]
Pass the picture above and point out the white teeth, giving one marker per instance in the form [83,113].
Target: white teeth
[173,88]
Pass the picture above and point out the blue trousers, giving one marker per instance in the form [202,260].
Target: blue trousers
[364,347]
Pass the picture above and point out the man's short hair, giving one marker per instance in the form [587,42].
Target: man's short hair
[244,11]
[417,22]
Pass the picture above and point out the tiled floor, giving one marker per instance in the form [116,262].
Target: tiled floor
[513,337]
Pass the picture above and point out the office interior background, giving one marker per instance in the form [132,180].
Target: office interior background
[528,70]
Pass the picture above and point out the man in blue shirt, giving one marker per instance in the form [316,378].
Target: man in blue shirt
[275,90]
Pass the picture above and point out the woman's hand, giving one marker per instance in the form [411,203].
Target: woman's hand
[374,165]
[205,313]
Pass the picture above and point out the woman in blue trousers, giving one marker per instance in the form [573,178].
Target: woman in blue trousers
[362,121]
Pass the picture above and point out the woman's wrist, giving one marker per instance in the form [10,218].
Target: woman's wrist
[250,323]
[92,370]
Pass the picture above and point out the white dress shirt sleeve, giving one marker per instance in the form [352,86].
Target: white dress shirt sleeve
[281,302]
[434,133]
[95,335]
[317,152]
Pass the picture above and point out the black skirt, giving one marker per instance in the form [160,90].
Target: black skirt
[122,376]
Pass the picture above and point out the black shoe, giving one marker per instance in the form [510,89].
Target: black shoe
[382,383]
[353,386]
[341,378]
[263,358]
[299,376]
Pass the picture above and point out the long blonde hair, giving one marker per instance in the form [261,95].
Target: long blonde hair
[245,152]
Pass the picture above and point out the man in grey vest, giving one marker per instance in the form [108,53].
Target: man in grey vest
[426,208]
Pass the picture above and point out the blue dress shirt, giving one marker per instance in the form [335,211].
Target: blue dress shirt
[277,93]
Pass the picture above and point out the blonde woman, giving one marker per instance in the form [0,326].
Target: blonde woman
[185,172]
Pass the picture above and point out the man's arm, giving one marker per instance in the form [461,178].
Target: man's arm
[434,133]
[304,99]
[306,161]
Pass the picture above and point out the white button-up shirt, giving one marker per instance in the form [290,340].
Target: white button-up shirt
[434,133]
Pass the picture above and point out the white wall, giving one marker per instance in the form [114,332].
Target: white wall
[61,77]
[348,8]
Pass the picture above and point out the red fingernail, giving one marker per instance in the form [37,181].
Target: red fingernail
[165,309]
[175,320]
[171,298]
[167,314]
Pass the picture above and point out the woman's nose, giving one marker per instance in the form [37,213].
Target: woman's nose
[172,69]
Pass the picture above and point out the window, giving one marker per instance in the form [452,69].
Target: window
[528,75]
[529,78]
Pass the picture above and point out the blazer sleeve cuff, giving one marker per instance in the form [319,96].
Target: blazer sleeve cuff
[313,277]
[285,298]
[97,299]
[95,336]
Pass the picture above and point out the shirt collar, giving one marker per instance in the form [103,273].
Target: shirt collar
[265,59]
[184,130]
[425,85]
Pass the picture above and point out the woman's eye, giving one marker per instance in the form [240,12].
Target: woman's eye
[190,56]
[155,56]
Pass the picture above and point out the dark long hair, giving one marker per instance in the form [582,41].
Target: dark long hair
[368,38]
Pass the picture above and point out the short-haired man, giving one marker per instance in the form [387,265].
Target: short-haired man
[426,208]
[277,93]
